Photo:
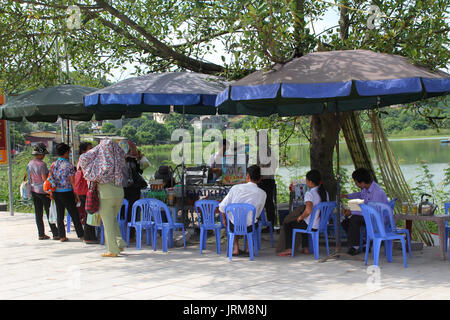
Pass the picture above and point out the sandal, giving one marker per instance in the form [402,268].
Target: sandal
[45,237]
[90,241]
[283,254]
[109,254]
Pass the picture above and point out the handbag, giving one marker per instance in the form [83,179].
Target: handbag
[134,178]
[94,219]
[53,214]
[92,200]
[81,187]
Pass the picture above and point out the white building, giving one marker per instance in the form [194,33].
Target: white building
[208,122]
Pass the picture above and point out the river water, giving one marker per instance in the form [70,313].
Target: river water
[410,154]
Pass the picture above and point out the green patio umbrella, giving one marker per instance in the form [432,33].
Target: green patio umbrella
[47,104]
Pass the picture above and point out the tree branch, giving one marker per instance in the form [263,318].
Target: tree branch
[162,49]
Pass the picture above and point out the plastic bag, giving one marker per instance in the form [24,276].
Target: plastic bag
[53,217]
[94,219]
[144,163]
[25,190]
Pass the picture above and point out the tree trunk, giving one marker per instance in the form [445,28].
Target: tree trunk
[324,133]
[351,127]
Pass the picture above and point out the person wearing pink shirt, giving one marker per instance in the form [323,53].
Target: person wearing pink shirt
[37,173]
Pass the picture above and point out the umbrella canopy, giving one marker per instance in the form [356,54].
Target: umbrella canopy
[349,79]
[156,92]
[46,104]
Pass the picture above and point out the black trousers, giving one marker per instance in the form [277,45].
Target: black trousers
[352,227]
[268,185]
[288,227]
[41,201]
[89,231]
[63,201]
[132,194]
[249,228]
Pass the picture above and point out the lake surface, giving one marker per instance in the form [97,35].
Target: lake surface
[410,154]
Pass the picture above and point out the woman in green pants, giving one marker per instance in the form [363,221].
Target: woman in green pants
[103,165]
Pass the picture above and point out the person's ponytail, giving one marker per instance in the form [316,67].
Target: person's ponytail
[315,177]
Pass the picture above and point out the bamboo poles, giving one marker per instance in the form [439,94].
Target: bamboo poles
[354,137]
[393,178]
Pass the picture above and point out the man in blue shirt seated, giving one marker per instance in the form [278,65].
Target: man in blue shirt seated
[370,191]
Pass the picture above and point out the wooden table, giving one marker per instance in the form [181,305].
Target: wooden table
[439,219]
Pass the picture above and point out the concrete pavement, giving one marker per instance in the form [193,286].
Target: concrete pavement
[33,269]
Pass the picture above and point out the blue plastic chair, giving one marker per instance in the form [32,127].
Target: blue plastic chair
[377,233]
[362,231]
[206,211]
[389,221]
[447,227]
[264,223]
[122,223]
[69,220]
[166,228]
[143,223]
[123,220]
[240,211]
[325,209]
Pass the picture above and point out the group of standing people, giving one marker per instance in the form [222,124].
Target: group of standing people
[115,173]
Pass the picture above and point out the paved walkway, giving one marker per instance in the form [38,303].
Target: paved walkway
[33,269]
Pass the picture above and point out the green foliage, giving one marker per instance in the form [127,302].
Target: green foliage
[83,128]
[128,132]
[109,127]
[19,165]
[16,138]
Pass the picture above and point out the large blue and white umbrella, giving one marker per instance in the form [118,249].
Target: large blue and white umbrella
[156,92]
[346,80]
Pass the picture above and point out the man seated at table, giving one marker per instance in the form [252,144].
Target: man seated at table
[245,193]
[370,191]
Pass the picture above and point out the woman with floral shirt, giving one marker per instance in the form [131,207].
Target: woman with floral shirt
[62,173]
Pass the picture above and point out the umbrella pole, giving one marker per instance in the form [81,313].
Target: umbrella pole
[73,142]
[182,174]
[63,132]
[10,168]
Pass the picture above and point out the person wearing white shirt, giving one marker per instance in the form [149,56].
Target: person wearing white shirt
[245,193]
[313,197]
[216,160]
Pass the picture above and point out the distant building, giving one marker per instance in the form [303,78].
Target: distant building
[209,122]
[49,138]
[159,117]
